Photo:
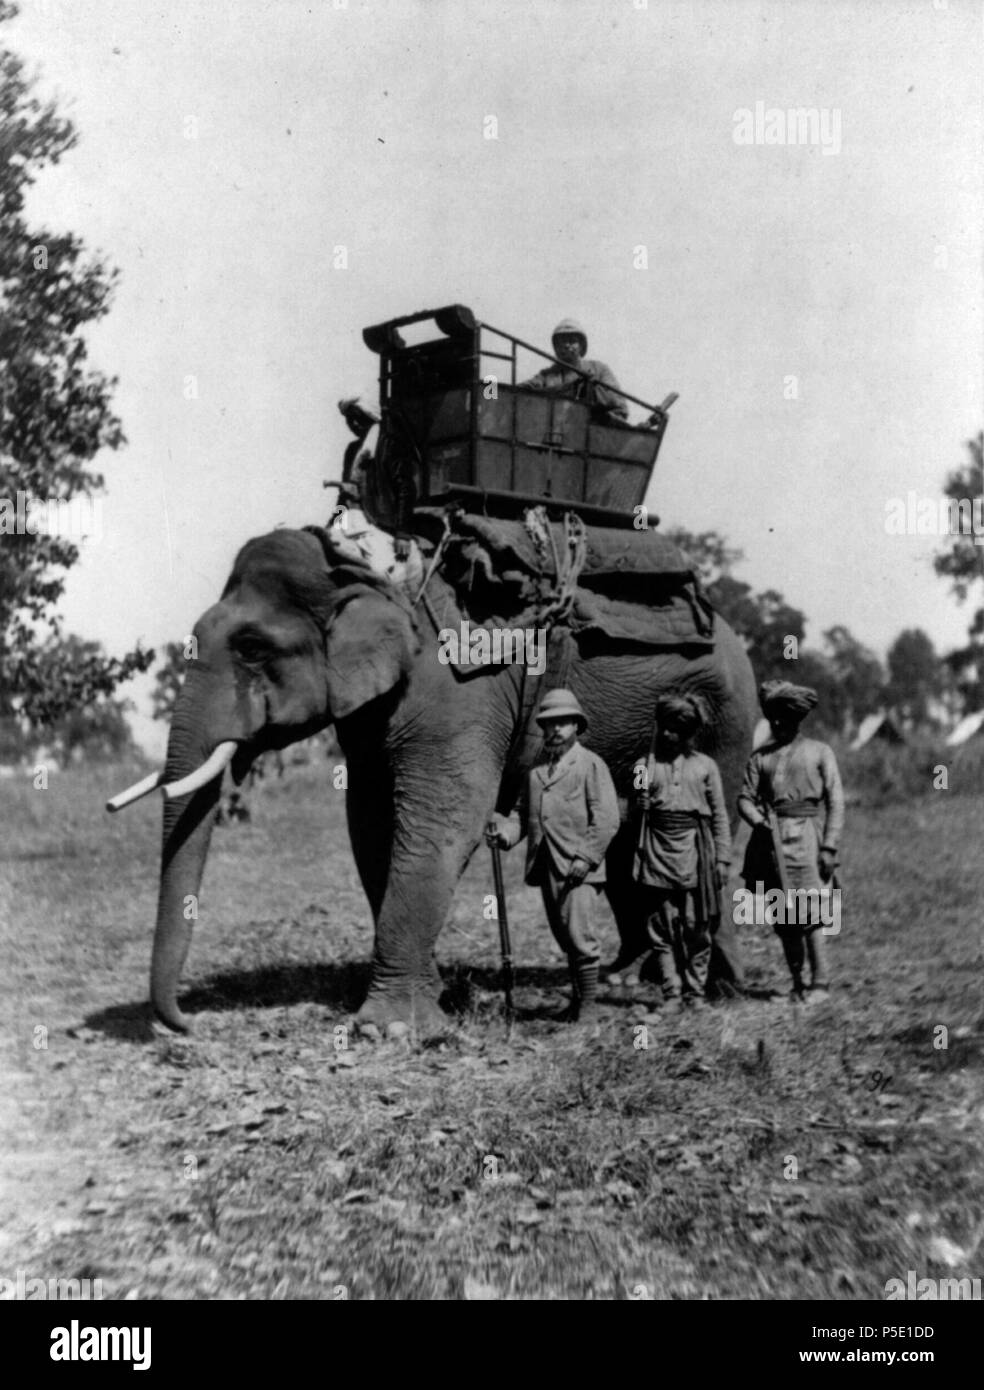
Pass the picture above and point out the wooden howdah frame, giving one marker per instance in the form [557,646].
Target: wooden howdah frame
[461,436]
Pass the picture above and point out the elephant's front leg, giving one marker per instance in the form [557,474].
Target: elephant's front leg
[432,843]
[369,811]
[405,983]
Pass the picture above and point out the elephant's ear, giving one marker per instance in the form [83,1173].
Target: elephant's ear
[369,648]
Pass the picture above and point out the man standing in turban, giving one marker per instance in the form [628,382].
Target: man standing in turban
[684,853]
[798,779]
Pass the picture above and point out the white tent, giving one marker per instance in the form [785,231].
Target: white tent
[880,725]
[966,729]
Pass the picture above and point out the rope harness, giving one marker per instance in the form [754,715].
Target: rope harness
[556,585]
[556,590]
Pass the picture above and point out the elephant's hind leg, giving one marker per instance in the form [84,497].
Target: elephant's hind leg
[625,899]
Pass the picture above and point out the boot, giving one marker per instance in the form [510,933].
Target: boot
[585,990]
[584,993]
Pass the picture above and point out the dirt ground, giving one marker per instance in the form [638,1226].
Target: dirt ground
[757,1150]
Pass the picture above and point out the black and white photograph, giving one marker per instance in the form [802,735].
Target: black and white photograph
[492,664]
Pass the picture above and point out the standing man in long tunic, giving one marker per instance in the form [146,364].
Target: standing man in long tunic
[799,780]
[684,853]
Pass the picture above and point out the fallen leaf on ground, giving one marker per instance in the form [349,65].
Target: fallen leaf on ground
[475,1291]
[946,1252]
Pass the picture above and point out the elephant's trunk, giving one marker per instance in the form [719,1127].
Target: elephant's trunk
[188,823]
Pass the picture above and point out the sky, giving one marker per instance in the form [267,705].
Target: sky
[817,303]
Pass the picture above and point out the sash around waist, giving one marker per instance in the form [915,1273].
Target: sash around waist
[673,820]
[797,810]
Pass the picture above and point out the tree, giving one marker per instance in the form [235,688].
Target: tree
[765,622]
[963,563]
[847,677]
[915,674]
[98,729]
[708,552]
[167,680]
[857,672]
[55,416]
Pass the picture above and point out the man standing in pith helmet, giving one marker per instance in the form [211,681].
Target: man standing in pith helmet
[570,345]
[569,814]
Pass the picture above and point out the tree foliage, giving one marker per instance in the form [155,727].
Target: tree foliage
[95,728]
[848,678]
[857,678]
[764,621]
[168,679]
[962,562]
[916,675]
[55,412]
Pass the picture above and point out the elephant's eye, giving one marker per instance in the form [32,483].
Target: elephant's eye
[251,651]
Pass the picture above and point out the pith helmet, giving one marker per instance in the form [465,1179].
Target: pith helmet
[571,326]
[561,704]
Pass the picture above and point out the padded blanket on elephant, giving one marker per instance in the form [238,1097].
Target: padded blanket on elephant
[631,586]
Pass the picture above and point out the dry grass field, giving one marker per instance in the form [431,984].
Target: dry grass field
[752,1151]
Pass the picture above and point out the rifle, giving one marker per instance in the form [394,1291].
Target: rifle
[505,945]
[640,847]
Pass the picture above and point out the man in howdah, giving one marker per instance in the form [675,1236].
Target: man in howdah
[362,421]
[570,345]
[797,778]
[684,852]
[569,813]
[374,480]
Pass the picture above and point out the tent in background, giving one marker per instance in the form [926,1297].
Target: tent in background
[881,726]
[966,729]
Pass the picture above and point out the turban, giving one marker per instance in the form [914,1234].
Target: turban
[685,712]
[782,697]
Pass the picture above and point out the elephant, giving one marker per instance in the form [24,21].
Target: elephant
[296,643]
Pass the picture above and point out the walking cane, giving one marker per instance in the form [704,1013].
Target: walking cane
[505,946]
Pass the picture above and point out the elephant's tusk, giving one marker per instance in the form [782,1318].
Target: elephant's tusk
[139,789]
[214,765]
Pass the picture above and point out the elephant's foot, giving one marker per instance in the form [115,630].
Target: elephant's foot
[388,1014]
